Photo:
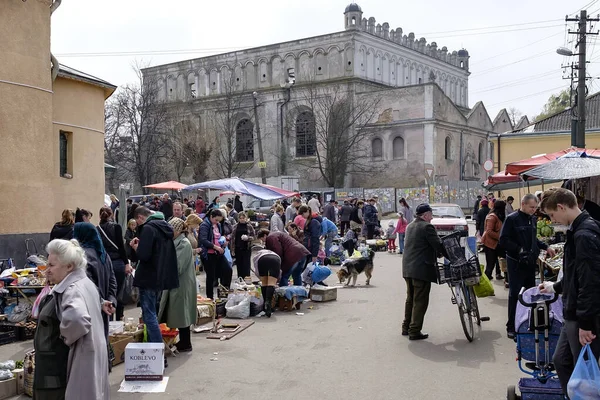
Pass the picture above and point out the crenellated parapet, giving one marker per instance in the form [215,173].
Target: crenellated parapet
[354,20]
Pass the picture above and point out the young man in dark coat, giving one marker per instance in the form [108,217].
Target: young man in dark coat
[370,217]
[518,238]
[580,281]
[421,246]
[157,267]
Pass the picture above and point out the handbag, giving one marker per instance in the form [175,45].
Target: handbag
[128,294]
[585,380]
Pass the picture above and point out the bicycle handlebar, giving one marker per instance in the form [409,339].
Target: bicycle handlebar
[527,304]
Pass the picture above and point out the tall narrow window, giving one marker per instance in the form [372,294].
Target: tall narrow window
[377,149]
[244,141]
[481,153]
[448,148]
[306,139]
[398,147]
[193,90]
[64,153]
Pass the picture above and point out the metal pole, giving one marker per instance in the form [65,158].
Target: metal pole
[262,166]
[580,139]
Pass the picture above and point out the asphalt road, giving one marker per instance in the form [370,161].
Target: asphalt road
[346,349]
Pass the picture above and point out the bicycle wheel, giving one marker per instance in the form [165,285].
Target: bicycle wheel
[464,309]
[474,305]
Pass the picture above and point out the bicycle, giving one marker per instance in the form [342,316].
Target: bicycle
[461,274]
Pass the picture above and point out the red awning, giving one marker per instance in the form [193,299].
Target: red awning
[502,177]
[170,185]
[283,192]
[518,167]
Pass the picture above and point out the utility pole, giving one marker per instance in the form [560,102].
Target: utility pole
[261,161]
[578,134]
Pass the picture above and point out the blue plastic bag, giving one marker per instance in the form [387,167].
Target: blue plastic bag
[585,381]
[227,255]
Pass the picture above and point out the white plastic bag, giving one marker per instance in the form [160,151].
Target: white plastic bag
[238,306]
[239,284]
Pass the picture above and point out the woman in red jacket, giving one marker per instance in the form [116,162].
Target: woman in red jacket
[491,235]
[293,254]
[401,230]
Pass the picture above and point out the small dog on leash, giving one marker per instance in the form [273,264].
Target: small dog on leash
[352,267]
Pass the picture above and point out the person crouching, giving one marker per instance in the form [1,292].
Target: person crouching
[267,266]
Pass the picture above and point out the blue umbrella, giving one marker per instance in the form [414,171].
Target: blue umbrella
[240,186]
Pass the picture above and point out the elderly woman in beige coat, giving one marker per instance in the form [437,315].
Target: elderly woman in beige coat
[70,347]
[178,306]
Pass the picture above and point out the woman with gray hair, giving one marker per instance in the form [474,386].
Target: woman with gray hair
[70,347]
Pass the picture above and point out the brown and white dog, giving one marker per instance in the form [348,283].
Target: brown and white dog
[352,267]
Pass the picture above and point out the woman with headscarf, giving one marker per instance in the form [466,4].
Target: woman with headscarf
[112,239]
[237,204]
[99,267]
[64,228]
[178,306]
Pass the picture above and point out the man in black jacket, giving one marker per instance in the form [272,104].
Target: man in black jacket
[421,246]
[484,210]
[580,281]
[157,267]
[518,238]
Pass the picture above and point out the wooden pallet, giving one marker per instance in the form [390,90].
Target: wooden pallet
[231,328]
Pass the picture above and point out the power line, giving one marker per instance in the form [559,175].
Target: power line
[518,48]
[486,71]
[218,49]
[525,97]
[518,82]
[495,27]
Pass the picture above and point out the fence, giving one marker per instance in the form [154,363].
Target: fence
[462,193]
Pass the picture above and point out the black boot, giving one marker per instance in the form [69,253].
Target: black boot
[268,292]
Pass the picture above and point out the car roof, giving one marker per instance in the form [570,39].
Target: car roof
[444,205]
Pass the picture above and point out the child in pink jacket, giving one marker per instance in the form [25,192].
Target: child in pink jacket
[401,230]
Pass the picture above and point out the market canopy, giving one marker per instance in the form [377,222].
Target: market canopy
[504,181]
[170,185]
[519,167]
[241,186]
[283,192]
[574,165]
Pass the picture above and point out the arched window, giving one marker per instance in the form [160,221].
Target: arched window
[398,146]
[448,148]
[377,149]
[244,141]
[481,153]
[306,139]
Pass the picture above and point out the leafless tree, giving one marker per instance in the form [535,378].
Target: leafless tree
[188,147]
[141,129]
[515,116]
[236,104]
[340,121]
[113,147]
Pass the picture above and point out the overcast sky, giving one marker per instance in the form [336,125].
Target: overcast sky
[516,66]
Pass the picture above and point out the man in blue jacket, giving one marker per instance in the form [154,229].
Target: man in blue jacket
[328,232]
[580,281]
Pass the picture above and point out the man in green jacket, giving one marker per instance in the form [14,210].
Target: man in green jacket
[421,247]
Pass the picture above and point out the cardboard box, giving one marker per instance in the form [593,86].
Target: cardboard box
[8,388]
[119,342]
[144,361]
[19,375]
[325,294]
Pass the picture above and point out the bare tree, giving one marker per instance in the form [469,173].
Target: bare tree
[113,147]
[188,147]
[231,159]
[515,116]
[340,121]
[141,129]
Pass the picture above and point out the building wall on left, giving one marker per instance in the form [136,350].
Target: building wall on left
[34,111]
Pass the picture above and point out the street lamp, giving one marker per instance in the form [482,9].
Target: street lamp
[563,51]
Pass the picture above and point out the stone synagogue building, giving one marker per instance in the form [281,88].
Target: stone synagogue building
[422,118]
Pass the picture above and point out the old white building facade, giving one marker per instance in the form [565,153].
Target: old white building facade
[424,119]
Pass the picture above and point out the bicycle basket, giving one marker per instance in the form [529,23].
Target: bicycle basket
[468,271]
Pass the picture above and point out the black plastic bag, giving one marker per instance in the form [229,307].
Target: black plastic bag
[129,294]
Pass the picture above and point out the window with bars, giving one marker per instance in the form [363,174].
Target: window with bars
[244,141]
[306,139]
[64,153]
